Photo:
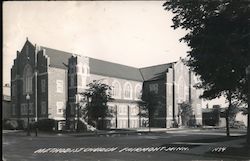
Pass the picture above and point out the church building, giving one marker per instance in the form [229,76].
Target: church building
[48,81]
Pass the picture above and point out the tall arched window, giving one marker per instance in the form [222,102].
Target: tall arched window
[138,91]
[128,90]
[27,79]
[116,89]
[181,89]
[85,69]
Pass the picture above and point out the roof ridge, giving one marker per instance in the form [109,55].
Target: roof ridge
[158,65]
[115,63]
[66,52]
[88,57]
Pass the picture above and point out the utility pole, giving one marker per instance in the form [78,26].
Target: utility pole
[78,112]
[28,114]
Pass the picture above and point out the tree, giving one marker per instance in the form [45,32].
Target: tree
[218,37]
[98,95]
[148,106]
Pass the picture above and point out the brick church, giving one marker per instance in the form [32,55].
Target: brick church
[54,78]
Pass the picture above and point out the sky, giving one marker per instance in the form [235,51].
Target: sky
[133,33]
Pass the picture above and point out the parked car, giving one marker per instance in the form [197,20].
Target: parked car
[238,125]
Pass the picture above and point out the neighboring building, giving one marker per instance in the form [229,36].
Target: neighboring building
[213,117]
[241,118]
[216,116]
[6,102]
[53,78]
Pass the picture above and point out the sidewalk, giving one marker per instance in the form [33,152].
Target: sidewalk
[139,131]
[135,131]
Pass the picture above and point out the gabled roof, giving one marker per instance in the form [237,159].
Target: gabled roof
[106,68]
[155,72]
[58,59]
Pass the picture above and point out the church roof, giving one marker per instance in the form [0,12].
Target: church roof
[58,59]
[155,72]
[114,70]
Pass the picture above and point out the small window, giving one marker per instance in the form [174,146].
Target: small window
[24,109]
[59,107]
[72,81]
[59,86]
[153,88]
[43,85]
[13,109]
[72,109]
[43,108]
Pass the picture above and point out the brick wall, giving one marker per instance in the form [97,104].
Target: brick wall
[159,86]
[54,75]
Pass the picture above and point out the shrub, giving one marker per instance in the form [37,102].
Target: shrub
[10,124]
[20,124]
[47,125]
[82,127]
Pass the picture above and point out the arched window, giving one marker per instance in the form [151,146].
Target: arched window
[83,70]
[138,91]
[104,81]
[116,89]
[128,90]
[181,89]
[27,79]
[87,70]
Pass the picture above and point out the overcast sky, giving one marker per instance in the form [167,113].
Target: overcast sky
[134,33]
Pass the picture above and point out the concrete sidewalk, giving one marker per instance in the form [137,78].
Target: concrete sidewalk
[137,131]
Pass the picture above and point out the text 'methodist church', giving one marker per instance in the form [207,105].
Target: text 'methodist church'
[53,78]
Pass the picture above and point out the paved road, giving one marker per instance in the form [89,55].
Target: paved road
[156,146]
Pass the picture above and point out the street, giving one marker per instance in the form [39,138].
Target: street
[175,145]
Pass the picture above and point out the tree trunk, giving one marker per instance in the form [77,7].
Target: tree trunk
[96,124]
[229,97]
[149,119]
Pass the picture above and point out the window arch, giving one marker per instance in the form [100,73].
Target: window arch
[104,81]
[128,90]
[116,89]
[27,79]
